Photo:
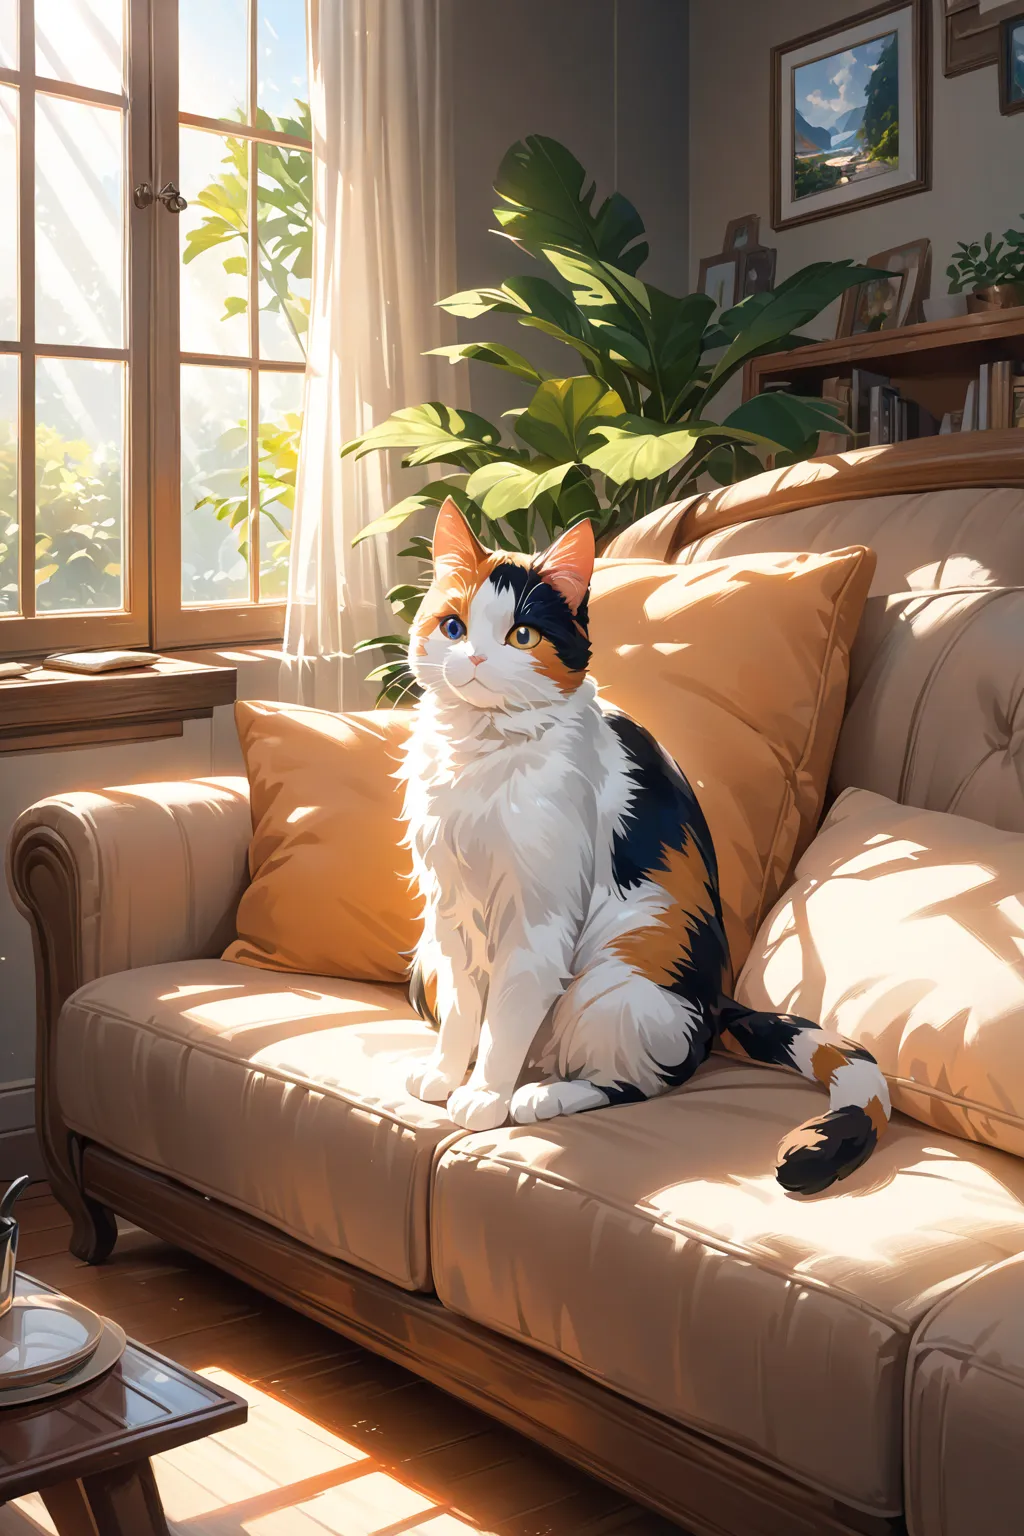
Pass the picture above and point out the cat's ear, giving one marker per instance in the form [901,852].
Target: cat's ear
[569,564]
[456,547]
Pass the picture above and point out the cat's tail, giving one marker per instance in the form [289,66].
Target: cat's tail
[815,1155]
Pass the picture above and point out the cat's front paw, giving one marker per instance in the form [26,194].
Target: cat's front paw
[478,1109]
[430,1080]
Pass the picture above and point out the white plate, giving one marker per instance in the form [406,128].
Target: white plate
[106,1354]
[42,1337]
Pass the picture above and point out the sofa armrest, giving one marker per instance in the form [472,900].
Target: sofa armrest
[964,1410]
[118,878]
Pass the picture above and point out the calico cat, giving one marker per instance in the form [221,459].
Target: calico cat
[572,915]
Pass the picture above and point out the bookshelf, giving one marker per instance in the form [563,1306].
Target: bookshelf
[931,364]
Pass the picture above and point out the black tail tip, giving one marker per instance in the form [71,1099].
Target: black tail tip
[818,1154]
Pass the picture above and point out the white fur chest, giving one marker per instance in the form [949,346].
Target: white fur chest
[501,822]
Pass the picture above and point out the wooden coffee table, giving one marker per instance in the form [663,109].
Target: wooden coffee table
[86,1452]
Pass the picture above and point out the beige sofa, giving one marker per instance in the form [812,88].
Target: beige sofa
[632,1287]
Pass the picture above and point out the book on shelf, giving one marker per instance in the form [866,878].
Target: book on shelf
[1017,416]
[993,398]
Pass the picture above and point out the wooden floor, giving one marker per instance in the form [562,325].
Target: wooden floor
[339,1442]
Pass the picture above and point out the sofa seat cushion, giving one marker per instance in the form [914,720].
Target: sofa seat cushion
[278,1094]
[651,1248]
[965,1410]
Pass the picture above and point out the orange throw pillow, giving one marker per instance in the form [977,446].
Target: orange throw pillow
[330,892]
[739,667]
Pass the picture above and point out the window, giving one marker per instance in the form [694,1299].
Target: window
[151,354]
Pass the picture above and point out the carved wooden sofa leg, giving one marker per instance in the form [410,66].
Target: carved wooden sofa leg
[93,1226]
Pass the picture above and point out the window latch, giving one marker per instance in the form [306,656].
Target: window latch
[169,195]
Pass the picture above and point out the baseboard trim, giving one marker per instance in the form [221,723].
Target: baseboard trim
[20,1153]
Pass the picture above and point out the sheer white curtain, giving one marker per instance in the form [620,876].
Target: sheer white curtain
[383,254]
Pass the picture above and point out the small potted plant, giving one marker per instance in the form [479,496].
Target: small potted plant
[992,272]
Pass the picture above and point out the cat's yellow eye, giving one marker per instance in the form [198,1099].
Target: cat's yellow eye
[524,637]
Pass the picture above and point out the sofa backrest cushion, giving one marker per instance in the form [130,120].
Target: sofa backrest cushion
[904,930]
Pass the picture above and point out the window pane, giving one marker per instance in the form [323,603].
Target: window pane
[79,454]
[8,213]
[214,244]
[82,41]
[8,484]
[9,34]
[280,429]
[281,58]
[213,66]
[285,217]
[79,224]
[214,485]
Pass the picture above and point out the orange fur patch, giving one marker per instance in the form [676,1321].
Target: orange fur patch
[656,949]
[547,660]
[826,1060]
[877,1115]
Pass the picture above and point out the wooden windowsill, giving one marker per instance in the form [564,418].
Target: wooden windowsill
[45,709]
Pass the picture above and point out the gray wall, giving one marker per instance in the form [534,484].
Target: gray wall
[606,77]
[977,155]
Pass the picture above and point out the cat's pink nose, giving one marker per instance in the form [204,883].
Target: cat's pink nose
[476,660]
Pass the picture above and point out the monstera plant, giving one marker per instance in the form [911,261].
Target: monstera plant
[631,427]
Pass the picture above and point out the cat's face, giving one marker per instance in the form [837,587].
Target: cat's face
[501,631]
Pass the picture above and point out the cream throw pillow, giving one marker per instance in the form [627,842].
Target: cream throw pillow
[904,930]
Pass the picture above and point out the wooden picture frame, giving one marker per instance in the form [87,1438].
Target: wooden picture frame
[914,259]
[716,283]
[757,271]
[971,36]
[1011,64]
[743,234]
[808,183]
[850,313]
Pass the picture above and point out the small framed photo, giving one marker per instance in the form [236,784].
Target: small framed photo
[743,234]
[850,114]
[720,279]
[1011,65]
[914,259]
[874,306]
[757,272]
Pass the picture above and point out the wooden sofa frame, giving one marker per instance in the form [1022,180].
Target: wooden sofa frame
[708,1487]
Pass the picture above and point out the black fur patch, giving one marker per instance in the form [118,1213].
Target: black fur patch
[825,1150]
[539,605]
[664,813]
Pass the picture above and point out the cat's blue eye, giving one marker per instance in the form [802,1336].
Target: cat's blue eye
[452,628]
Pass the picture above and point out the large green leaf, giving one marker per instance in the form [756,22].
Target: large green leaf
[792,304]
[501,489]
[494,353]
[788,420]
[431,434]
[431,495]
[549,204]
[559,420]
[637,448]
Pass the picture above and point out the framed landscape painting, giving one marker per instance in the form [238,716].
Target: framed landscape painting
[850,114]
[1011,67]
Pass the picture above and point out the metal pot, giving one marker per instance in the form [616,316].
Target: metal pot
[9,1243]
[999,296]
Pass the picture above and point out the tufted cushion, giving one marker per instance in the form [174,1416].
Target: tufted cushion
[937,539]
[935,710]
